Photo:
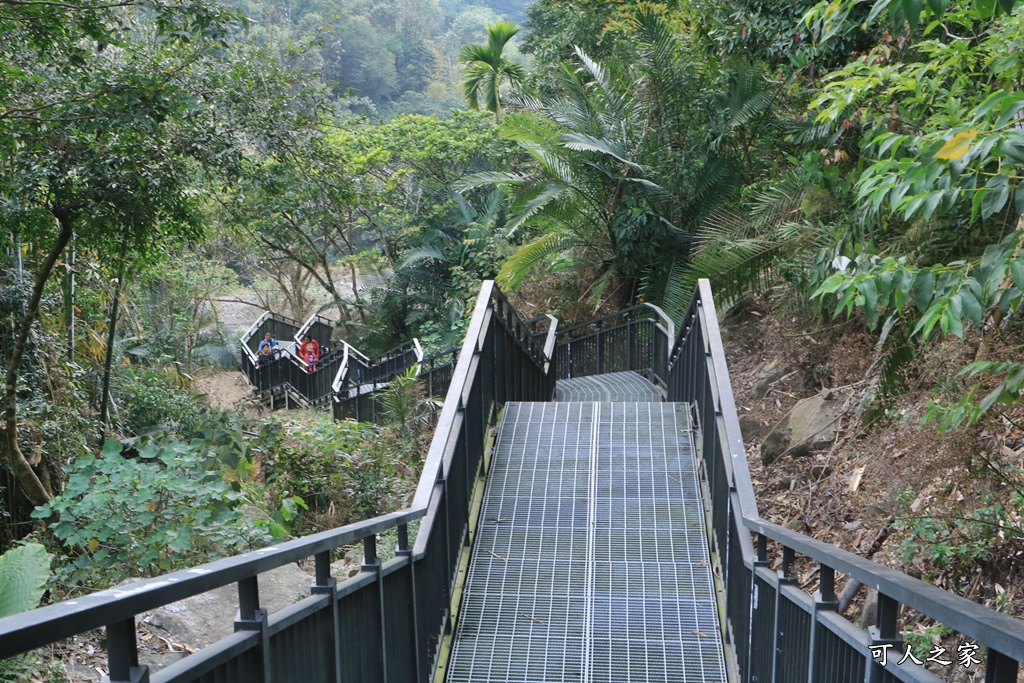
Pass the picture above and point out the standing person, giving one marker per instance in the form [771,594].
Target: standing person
[266,350]
[309,351]
[268,340]
[265,355]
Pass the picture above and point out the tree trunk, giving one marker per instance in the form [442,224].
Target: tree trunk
[69,302]
[111,330]
[34,488]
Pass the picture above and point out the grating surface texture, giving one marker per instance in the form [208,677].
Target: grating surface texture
[591,562]
[617,386]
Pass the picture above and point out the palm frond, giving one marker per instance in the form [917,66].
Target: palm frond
[527,208]
[475,180]
[581,142]
[415,256]
[529,256]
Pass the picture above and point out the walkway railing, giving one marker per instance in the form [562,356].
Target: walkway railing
[386,623]
[357,383]
[778,631]
[285,372]
[636,338]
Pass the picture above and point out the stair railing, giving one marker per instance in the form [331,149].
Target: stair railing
[633,339]
[776,630]
[385,624]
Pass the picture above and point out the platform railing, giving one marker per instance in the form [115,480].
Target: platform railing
[383,625]
[776,630]
[356,388]
[634,339]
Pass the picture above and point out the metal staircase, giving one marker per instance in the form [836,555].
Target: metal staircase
[592,559]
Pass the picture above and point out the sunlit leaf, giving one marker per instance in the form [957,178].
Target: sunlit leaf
[958,145]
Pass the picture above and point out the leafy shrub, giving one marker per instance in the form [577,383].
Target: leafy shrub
[24,571]
[150,402]
[344,470]
[165,509]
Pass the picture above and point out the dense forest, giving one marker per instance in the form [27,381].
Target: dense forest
[374,161]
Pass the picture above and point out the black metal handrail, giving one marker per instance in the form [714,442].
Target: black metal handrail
[634,339]
[778,632]
[384,624]
[282,370]
[279,326]
[356,386]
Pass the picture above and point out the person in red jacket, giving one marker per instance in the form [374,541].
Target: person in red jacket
[309,351]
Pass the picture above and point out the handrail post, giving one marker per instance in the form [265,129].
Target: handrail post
[123,654]
[252,618]
[778,638]
[371,563]
[824,601]
[325,584]
[884,636]
[999,668]
[405,550]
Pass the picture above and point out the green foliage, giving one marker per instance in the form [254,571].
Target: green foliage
[153,402]
[944,297]
[968,409]
[344,470]
[24,571]
[960,543]
[166,508]
[406,407]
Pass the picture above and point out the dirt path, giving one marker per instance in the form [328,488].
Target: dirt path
[224,389]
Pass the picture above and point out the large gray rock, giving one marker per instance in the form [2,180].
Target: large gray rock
[206,618]
[768,374]
[812,425]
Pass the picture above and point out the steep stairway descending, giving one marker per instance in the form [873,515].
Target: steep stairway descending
[591,560]
[616,386]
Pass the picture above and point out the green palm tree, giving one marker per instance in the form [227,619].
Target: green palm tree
[486,69]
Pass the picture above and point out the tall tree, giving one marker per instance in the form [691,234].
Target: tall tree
[487,69]
[99,141]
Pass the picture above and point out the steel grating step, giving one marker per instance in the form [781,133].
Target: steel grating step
[591,561]
[626,387]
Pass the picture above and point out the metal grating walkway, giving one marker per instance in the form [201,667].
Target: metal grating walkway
[616,386]
[591,561]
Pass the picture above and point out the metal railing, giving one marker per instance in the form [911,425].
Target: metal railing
[285,373]
[356,387]
[280,327]
[778,632]
[636,339]
[386,623]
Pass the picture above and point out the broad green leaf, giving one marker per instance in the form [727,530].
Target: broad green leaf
[1007,5]
[985,8]
[958,145]
[912,12]
[924,288]
[1009,109]
[994,201]
[989,104]
[931,204]
[971,307]
[1017,273]
[111,447]
[868,289]
[23,574]
[938,6]
[992,398]
[878,8]
[1013,147]
[979,197]
[1018,199]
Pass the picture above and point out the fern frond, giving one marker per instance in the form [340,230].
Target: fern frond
[529,256]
